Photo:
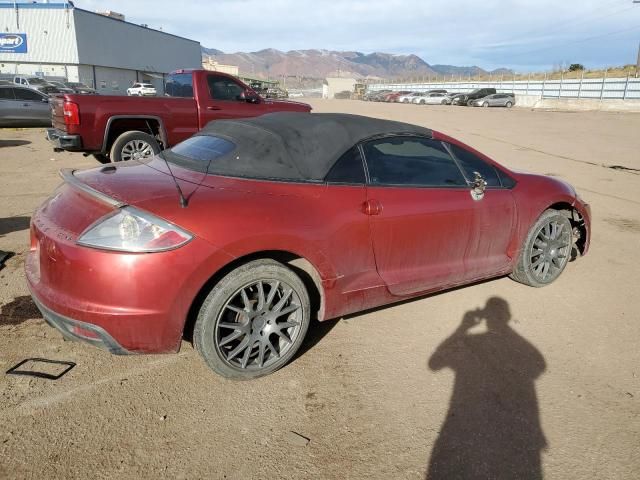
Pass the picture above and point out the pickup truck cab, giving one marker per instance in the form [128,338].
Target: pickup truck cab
[115,128]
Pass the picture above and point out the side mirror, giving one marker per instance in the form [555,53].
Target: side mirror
[478,186]
[251,97]
[45,99]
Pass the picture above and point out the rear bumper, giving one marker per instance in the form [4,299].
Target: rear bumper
[76,330]
[61,141]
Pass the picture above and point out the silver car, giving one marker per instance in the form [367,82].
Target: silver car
[496,100]
[433,99]
[23,107]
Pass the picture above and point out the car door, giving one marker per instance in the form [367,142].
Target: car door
[421,213]
[9,106]
[496,100]
[494,217]
[35,109]
[225,100]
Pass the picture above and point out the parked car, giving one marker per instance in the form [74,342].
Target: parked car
[114,128]
[23,107]
[468,98]
[375,95]
[142,90]
[433,99]
[496,100]
[409,97]
[35,83]
[458,99]
[343,95]
[380,95]
[275,92]
[393,96]
[61,87]
[253,227]
[74,87]
[448,98]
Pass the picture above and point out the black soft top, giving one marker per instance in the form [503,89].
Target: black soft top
[293,145]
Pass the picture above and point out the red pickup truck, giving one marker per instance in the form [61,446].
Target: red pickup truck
[115,128]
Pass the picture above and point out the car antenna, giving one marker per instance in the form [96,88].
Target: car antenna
[183,200]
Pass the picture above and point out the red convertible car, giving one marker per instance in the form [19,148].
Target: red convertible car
[244,232]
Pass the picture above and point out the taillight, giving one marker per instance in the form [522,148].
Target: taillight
[71,113]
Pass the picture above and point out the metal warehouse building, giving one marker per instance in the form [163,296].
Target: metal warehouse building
[58,40]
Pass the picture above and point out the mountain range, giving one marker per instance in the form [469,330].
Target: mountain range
[274,63]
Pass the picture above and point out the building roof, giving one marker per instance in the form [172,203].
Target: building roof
[293,145]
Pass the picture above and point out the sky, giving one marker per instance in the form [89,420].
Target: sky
[523,35]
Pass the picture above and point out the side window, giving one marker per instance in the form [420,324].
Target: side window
[6,94]
[223,88]
[347,169]
[411,161]
[470,163]
[28,95]
[179,85]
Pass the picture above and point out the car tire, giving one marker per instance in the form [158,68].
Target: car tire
[509,105]
[443,102]
[485,104]
[546,250]
[101,157]
[131,143]
[243,353]
[470,103]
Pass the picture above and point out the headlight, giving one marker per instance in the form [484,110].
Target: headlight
[131,230]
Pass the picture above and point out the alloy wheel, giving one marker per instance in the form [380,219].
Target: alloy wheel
[258,324]
[550,250]
[136,150]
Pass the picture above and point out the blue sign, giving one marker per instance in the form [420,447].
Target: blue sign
[13,42]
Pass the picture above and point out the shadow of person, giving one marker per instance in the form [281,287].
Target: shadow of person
[492,429]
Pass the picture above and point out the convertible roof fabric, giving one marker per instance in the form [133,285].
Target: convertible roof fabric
[294,145]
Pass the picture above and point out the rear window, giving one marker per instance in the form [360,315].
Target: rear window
[196,153]
[179,85]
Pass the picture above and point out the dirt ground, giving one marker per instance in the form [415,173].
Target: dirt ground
[548,385]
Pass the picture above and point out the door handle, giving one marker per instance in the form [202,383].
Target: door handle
[372,207]
[25,105]
[214,108]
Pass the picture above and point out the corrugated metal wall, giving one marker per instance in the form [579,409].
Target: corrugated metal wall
[51,35]
[112,43]
[108,54]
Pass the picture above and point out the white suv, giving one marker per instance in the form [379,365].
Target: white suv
[142,89]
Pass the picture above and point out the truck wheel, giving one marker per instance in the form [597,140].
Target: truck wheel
[134,145]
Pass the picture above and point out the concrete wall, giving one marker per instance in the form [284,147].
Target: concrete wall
[574,104]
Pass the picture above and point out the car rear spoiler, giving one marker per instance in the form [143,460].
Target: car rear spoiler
[68,175]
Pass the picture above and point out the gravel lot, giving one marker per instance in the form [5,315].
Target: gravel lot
[375,392]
